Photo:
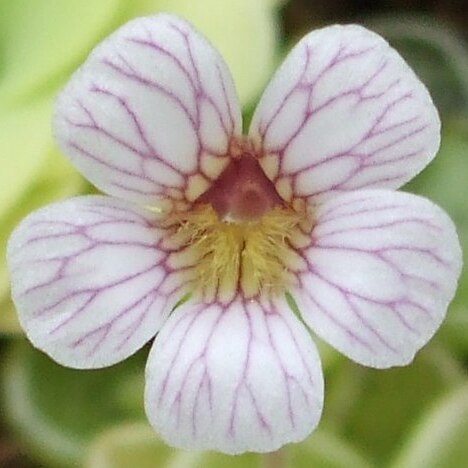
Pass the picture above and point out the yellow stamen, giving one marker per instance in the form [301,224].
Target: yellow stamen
[252,257]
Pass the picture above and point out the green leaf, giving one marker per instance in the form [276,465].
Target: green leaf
[437,54]
[133,445]
[57,411]
[42,39]
[9,324]
[24,141]
[215,460]
[439,440]
[444,180]
[375,409]
[137,445]
[324,449]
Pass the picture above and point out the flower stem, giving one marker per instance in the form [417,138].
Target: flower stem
[274,459]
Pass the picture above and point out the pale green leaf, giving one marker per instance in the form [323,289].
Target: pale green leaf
[9,324]
[137,445]
[24,141]
[367,407]
[42,38]
[440,438]
[133,445]
[324,449]
[214,460]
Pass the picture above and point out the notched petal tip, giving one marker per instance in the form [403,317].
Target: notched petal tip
[382,269]
[151,113]
[344,112]
[235,378]
[88,280]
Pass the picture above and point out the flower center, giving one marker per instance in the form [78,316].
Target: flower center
[238,235]
[242,192]
[251,257]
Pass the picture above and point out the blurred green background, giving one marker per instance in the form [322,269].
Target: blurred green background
[409,417]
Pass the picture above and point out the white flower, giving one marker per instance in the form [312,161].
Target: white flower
[303,204]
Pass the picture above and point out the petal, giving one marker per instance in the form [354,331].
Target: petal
[241,377]
[151,113]
[87,279]
[248,41]
[344,112]
[382,267]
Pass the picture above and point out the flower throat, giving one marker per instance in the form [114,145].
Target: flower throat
[238,234]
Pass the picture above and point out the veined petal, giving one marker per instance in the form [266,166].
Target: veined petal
[245,32]
[344,112]
[88,279]
[382,267]
[151,114]
[234,378]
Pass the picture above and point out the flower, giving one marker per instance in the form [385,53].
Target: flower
[304,205]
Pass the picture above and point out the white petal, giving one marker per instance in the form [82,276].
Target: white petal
[146,114]
[382,269]
[344,112]
[87,277]
[235,378]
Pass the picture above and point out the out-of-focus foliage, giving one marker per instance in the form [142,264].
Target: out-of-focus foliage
[367,406]
[57,411]
[127,446]
[42,41]
[410,417]
[439,440]
[437,54]
[23,155]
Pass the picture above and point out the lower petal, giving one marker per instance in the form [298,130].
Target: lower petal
[382,268]
[87,279]
[235,378]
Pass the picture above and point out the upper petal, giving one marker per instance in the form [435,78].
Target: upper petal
[89,279]
[151,113]
[241,377]
[245,32]
[343,112]
[381,270]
